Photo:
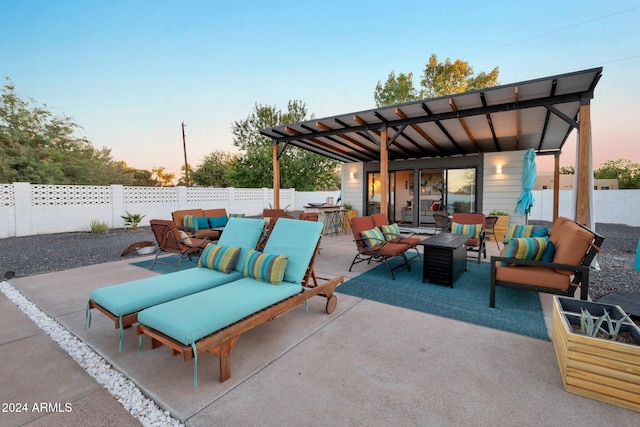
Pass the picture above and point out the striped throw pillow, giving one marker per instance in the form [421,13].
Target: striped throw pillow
[391,232]
[529,248]
[373,237]
[470,229]
[236,215]
[190,222]
[265,267]
[518,231]
[220,258]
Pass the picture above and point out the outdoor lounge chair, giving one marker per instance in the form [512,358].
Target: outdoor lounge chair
[121,303]
[213,320]
[473,225]
[380,220]
[375,249]
[171,241]
[573,248]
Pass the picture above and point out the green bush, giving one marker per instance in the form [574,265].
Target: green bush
[98,227]
[132,220]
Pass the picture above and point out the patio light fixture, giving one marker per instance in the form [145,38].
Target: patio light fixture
[499,169]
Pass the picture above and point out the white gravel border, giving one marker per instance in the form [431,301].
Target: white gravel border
[119,386]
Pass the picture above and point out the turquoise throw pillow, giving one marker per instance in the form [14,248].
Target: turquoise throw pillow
[218,221]
[540,232]
[220,258]
[527,248]
[549,251]
[203,223]
[265,267]
[373,237]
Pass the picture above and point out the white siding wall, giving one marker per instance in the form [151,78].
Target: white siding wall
[501,191]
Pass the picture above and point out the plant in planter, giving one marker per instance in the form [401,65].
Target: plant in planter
[601,368]
[132,221]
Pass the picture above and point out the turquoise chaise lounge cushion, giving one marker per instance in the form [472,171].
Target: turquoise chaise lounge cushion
[190,318]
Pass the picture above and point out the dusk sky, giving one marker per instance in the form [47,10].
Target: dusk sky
[130,72]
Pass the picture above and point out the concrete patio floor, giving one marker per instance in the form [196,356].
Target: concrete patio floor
[365,364]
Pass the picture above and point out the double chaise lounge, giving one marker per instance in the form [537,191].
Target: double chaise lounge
[122,302]
[212,320]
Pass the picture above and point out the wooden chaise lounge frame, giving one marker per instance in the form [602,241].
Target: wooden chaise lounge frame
[221,342]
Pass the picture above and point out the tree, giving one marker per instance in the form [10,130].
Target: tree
[299,169]
[183,175]
[163,179]
[438,79]
[39,147]
[626,171]
[214,169]
[567,170]
[395,90]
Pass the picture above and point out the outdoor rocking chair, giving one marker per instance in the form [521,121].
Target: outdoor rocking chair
[378,250]
[472,224]
[172,241]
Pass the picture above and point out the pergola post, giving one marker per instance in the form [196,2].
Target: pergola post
[276,176]
[583,164]
[384,171]
[556,184]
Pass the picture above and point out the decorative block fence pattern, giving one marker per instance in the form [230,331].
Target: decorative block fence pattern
[27,209]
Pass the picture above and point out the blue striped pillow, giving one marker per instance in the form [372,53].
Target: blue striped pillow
[190,222]
[373,237]
[220,258]
[529,248]
[265,267]
[470,229]
[518,231]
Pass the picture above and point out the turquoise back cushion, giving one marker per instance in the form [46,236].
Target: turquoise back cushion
[217,221]
[242,232]
[297,240]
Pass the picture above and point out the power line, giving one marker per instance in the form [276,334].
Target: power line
[556,30]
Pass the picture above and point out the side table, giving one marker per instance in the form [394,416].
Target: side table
[445,258]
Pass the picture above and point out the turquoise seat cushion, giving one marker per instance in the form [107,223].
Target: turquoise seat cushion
[130,297]
[243,232]
[195,316]
[297,240]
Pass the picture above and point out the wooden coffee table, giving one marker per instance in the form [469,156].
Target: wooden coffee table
[445,258]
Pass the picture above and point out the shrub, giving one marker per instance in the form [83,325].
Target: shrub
[98,227]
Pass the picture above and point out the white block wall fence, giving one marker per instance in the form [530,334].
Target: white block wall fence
[28,209]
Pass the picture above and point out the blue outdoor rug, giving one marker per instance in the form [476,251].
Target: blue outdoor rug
[516,311]
[164,268]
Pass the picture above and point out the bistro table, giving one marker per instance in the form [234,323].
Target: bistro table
[445,258]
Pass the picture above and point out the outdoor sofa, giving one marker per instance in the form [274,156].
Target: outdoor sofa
[122,302]
[213,320]
[560,268]
[201,221]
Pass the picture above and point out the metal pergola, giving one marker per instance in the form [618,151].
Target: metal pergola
[538,114]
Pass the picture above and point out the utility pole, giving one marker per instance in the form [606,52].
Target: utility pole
[186,165]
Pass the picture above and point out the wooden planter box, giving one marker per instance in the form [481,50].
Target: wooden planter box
[600,369]
[501,228]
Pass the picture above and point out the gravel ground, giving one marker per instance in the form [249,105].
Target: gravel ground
[53,252]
